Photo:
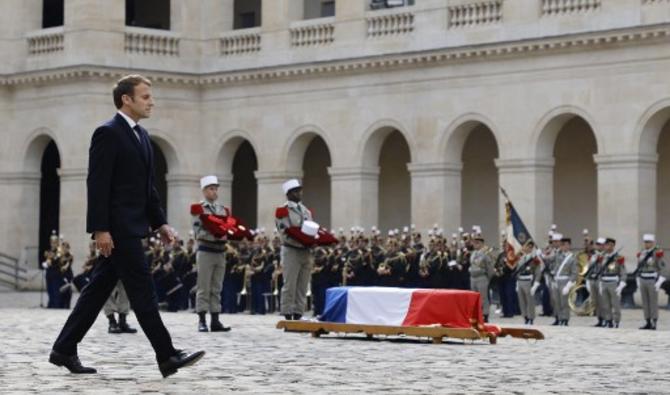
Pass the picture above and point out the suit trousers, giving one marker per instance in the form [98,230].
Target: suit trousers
[127,263]
[297,271]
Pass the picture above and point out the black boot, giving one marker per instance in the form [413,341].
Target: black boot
[609,324]
[113,326]
[486,318]
[297,317]
[600,323]
[565,322]
[123,325]
[525,322]
[530,321]
[216,325]
[202,323]
[647,326]
[616,324]
[556,322]
[288,317]
[654,322]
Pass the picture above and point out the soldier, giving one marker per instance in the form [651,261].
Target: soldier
[118,303]
[592,284]
[296,258]
[612,283]
[650,269]
[549,258]
[481,272]
[210,258]
[528,275]
[564,274]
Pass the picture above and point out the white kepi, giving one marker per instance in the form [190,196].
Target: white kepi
[290,184]
[310,228]
[207,181]
[649,237]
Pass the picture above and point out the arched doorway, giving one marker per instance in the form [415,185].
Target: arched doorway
[49,196]
[316,180]
[394,210]
[663,188]
[479,183]
[244,186]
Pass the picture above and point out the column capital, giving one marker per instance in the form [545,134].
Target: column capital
[20,177]
[625,161]
[353,173]
[435,169]
[74,174]
[525,165]
[275,176]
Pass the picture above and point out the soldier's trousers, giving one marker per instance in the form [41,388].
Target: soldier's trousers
[649,298]
[561,306]
[611,301]
[526,299]
[596,299]
[481,284]
[297,271]
[211,270]
[117,302]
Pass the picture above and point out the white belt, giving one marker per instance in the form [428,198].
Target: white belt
[650,276]
[527,277]
[610,279]
[562,278]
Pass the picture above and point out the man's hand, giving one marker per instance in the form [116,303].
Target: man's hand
[104,243]
[167,234]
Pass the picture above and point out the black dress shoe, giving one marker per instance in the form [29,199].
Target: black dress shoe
[71,362]
[178,361]
[297,317]
[288,317]
[217,326]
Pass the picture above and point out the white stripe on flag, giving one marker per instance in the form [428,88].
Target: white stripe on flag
[378,305]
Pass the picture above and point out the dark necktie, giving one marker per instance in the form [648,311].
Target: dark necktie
[143,143]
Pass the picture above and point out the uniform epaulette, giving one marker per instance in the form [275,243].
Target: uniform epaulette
[196,209]
[638,255]
[620,260]
[659,253]
[281,212]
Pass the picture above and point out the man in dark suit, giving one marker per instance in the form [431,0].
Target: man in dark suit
[123,205]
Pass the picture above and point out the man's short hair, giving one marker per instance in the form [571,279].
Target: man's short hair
[126,86]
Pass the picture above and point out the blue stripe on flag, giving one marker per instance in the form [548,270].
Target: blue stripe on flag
[336,305]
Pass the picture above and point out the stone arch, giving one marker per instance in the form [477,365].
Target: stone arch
[296,146]
[34,147]
[548,127]
[375,136]
[227,148]
[453,140]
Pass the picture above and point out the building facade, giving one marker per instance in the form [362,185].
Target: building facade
[410,114]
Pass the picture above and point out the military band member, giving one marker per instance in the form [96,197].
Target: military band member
[528,276]
[564,274]
[592,282]
[650,270]
[612,283]
[549,258]
[210,259]
[481,272]
[296,258]
[118,303]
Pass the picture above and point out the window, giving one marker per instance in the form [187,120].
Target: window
[378,4]
[328,8]
[152,14]
[247,14]
[318,9]
[52,13]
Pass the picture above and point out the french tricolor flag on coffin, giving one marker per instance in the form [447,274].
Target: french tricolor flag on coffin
[403,307]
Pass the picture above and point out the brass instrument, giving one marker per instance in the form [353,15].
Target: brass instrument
[579,298]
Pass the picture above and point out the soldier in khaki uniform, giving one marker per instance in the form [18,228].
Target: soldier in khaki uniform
[118,303]
[592,283]
[481,273]
[210,259]
[549,258]
[650,270]
[612,283]
[564,274]
[296,258]
[528,275]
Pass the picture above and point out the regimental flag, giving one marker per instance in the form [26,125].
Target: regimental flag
[516,234]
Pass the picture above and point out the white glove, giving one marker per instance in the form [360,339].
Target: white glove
[452,263]
[566,289]
[600,288]
[637,281]
[588,285]
[517,287]
[659,282]
[534,288]
[620,288]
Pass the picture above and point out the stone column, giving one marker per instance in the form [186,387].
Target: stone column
[354,196]
[72,218]
[350,19]
[530,186]
[276,17]
[436,195]
[19,222]
[90,22]
[225,190]
[270,195]
[626,200]
[182,191]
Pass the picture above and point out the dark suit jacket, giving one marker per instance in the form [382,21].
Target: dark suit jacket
[122,198]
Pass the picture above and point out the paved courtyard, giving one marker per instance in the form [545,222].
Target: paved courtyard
[256,358]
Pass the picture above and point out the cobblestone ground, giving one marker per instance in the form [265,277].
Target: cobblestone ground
[257,358]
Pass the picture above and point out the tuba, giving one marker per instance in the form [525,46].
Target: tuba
[579,298]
